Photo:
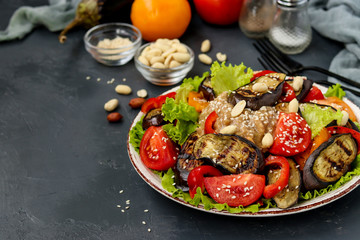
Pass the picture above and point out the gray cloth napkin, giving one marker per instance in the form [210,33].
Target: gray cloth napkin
[340,20]
[54,17]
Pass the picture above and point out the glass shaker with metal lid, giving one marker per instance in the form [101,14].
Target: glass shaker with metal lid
[291,31]
[256,17]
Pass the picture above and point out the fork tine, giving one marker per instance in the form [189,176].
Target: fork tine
[274,56]
[265,66]
[269,59]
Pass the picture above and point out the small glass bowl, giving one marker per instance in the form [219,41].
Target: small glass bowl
[112,56]
[164,76]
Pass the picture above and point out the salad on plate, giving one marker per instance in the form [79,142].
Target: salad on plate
[236,140]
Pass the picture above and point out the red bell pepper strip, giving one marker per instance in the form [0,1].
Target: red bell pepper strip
[314,94]
[209,123]
[259,74]
[288,93]
[340,130]
[156,102]
[271,190]
[196,177]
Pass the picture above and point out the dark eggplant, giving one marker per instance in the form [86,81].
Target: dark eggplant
[305,89]
[153,118]
[231,154]
[290,194]
[186,162]
[90,13]
[352,125]
[329,161]
[206,89]
[255,100]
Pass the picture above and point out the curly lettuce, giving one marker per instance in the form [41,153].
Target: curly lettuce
[335,91]
[182,117]
[228,78]
[136,134]
[318,117]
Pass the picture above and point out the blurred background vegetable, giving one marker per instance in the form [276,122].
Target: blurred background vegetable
[90,13]
[219,12]
[161,18]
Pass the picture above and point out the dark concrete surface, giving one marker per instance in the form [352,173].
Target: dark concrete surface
[62,165]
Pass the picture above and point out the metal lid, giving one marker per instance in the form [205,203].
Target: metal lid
[291,3]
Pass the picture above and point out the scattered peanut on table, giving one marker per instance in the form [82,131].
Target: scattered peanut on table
[114,117]
[204,58]
[137,102]
[111,105]
[205,46]
[123,89]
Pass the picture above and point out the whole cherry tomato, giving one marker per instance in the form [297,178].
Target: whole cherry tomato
[219,12]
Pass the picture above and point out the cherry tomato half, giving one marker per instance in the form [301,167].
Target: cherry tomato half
[235,190]
[196,177]
[314,94]
[292,135]
[157,150]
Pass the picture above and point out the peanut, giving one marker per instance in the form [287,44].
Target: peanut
[297,83]
[231,129]
[260,87]
[123,89]
[204,58]
[205,46]
[267,140]
[137,102]
[345,118]
[238,108]
[111,105]
[142,93]
[221,57]
[114,117]
[162,52]
[294,105]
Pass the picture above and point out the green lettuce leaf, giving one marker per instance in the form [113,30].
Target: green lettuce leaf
[136,134]
[335,91]
[180,131]
[186,120]
[180,111]
[228,78]
[188,85]
[318,118]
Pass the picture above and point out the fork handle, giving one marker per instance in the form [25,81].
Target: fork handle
[331,74]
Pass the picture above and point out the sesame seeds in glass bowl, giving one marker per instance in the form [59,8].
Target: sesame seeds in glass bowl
[113,44]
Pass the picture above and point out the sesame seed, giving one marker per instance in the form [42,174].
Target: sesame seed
[143,222]
[119,206]
[121,191]
[146,210]
[88,78]
[127,207]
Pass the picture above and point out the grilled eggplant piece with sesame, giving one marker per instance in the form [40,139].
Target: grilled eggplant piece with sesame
[231,154]
[153,118]
[290,194]
[329,161]
[206,89]
[186,162]
[255,100]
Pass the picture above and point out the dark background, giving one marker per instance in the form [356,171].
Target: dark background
[62,164]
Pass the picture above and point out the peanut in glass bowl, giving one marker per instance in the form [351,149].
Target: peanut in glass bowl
[164,76]
[114,56]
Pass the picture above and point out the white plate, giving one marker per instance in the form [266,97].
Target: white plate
[155,182]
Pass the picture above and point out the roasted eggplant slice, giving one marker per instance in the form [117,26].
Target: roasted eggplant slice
[254,99]
[290,194]
[329,161]
[153,118]
[186,162]
[206,89]
[230,153]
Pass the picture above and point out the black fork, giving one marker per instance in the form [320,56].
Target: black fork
[275,60]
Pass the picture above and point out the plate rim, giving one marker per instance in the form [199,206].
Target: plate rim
[271,212]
